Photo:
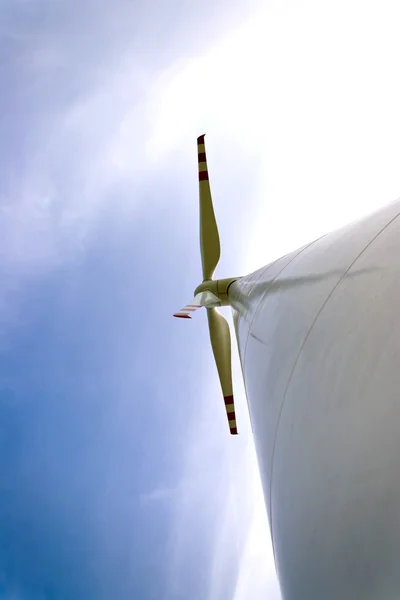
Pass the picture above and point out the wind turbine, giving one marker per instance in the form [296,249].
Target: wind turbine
[213,293]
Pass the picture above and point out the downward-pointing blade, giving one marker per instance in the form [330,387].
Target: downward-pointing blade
[221,345]
[209,237]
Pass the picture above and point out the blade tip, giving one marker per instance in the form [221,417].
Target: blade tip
[230,412]
[178,316]
[200,139]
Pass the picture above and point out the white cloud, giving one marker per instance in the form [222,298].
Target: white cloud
[300,91]
[214,92]
[213,494]
[257,578]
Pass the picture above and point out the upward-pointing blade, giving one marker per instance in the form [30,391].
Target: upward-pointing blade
[221,345]
[209,238]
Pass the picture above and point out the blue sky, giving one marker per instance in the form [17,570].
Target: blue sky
[116,471]
[118,476]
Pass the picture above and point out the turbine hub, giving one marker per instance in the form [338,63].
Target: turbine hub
[218,287]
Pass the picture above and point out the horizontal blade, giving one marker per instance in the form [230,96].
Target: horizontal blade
[221,345]
[209,237]
[186,311]
[207,299]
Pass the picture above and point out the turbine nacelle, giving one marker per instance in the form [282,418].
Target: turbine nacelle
[218,287]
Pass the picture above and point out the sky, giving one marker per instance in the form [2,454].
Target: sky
[118,477]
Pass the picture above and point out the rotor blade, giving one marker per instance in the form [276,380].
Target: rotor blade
[221,345]
[209,238]
[186,311]
[206,298]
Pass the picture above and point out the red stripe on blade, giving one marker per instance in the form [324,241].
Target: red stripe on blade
[202,157]
[234,431]
[182,316]
[200,139]
[228,399]
[203,176]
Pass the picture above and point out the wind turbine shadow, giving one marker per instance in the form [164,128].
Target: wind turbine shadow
[274,286]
